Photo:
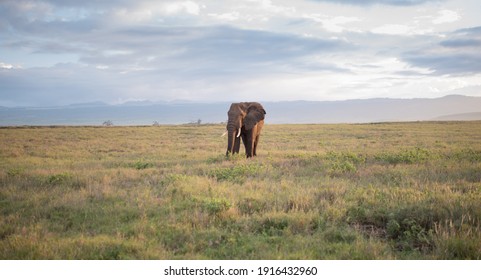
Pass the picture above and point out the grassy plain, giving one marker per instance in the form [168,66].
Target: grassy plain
[370,191]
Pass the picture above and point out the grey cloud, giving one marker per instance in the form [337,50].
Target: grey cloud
[463,43]
[454,64]
[458,55]
[380,2]
[218,49]
[160,57]
[91,3]
[153,62]
[476,31]
[36,31]
[464,38]
[239,46]
[210,49]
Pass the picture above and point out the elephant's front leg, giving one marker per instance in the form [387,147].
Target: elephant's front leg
[255,139]
[249,142]
[244,138]
[255,144]
[257,134]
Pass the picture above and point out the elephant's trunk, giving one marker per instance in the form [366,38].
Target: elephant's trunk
[231,135]
[233,131]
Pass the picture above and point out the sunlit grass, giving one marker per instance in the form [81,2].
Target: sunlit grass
[373,191]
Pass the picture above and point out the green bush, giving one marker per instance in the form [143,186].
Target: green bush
[340,163]
[61,179]
[408,156]
[216,206]
[57,179]
[468,154]
[141,164]
[237,173]
[272,226]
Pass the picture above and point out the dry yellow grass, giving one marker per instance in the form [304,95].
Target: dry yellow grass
[372,191]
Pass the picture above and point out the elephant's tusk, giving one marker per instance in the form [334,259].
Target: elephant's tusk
[225,132]
[238,134]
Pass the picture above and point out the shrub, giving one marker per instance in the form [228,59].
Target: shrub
[215,206]
[342,167]
[15,172]
[343,162]
[236,174]
[108,123]
[408,156]
[141,164]
[413,236]
[57,179]
[272,226]
[468,154]
[61,179]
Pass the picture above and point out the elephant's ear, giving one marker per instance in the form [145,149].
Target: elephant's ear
[254,115]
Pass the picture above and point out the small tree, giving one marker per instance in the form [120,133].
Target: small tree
[108,123]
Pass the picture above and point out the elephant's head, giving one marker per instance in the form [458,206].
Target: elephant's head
[244,114]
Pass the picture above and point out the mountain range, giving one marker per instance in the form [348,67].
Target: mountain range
[452,107]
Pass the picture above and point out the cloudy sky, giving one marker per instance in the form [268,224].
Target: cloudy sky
[58,52]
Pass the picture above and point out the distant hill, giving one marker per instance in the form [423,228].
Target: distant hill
[453,107]
[461,117]
[374,110]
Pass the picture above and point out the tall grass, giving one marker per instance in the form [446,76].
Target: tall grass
[373,191]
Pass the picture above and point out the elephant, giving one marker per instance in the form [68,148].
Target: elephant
[246,120]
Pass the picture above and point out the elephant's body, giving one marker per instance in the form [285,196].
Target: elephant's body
[246,120]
